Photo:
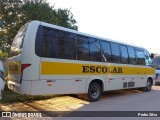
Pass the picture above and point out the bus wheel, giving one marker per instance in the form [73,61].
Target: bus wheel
[94,92]
[148,86]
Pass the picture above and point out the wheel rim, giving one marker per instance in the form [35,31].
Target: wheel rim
[148,86]
[95,92]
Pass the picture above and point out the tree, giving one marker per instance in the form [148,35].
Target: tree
[15,13]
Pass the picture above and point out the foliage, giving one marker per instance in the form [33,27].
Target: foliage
[15,13]
[3,55]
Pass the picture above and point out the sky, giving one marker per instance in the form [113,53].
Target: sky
[134,22]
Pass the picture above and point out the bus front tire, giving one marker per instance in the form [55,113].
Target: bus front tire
[148,86]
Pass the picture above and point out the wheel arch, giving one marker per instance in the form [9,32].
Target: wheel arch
[99,81]
[151,79]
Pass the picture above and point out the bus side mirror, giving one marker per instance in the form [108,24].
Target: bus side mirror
[152,55]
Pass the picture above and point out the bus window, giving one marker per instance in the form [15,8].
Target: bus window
[16,47]
[95,50]
[115,53]
[140,57]
[67,45]
[148,60]
[132,57]
[54,43]
[82,48]
[47,42]
[124,54]
[106,51]
[50,43]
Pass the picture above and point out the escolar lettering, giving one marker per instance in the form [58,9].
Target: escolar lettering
[101,69]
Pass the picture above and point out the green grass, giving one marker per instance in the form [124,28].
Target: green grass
[11,97]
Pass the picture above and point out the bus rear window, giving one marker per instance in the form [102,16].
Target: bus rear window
[16,47]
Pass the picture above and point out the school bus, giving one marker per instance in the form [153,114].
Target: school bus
[49,59]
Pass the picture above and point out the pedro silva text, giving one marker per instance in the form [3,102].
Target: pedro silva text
[150,114]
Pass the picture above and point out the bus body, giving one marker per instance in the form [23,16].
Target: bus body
[48,59]
[156,62]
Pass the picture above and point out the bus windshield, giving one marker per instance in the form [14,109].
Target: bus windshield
[16,47]
[148,59]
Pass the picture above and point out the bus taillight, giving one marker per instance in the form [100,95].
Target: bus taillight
[23,66]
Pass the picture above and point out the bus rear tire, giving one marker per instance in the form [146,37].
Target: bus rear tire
[94,92]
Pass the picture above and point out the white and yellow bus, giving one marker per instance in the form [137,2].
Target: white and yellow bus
[48,59]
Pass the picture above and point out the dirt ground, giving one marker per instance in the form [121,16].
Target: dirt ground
[62,103]
[52,107]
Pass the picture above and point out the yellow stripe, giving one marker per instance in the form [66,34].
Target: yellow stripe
[58,68]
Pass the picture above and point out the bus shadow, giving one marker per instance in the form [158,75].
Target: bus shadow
[157,84]
[116,93]
[111,94]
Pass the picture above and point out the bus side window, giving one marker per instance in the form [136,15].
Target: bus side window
[82,48]
[132,57]
[140,57]
[124,54]
[38,43]
[67,45]
[95,50]
[116,57]
[106,51]
[50,43]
